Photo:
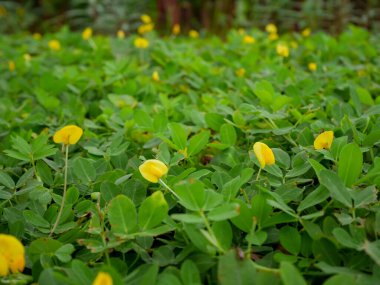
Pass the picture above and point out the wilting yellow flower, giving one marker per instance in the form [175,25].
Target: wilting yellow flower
[12,255]
[249,39]
[264,154]
[145,28]
[103,278]
[193,34]
[27,57]
[271,28]
[140,42]
[312,66]
[54,45]
[120,34]
[176,29]
[146,19]
[86,34]
[153,169]
[11,65]
[240,72]
[273,37]
[282,50]
[155,76]
[306,32]
[68,135]
[324,140]
[37,36]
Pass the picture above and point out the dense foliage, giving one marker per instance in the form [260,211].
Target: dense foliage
[198,105]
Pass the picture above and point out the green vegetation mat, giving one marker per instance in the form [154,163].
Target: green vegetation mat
[219,216]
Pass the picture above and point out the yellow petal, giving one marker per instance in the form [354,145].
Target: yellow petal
[103,278]
[68,135]
[324,140]
[13,253]
[264,154]
[153,169]
[4,270]
[87,33]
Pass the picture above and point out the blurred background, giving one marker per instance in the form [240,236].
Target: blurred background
[214,16]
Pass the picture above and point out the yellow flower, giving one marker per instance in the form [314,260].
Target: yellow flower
[11,65]
[306,32]
[68,135]
[54,45]
[324,140]
[240,72]
[146,19]
[193,34]
[271,28]
[273,37]
[282,50]
[145,28]
[12,255]
[264,154]
[36,36]
[153,169]
[140,42]
[120,34]
[249,40]
[86,34]
[312,66]
[103,278]
[176,29]
[155,76]
[27,57]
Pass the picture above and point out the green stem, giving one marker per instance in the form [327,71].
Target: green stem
[265,269]
[64,191]
[167,187]
[101,219]
[245,195]
[211,232]
[253,228]
[258,175]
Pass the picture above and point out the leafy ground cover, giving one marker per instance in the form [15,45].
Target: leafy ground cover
[223,213]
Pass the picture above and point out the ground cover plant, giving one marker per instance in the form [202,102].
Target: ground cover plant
[190,159]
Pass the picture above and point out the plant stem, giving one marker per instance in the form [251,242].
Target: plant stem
[167,187]
[64,191]
[103,234]
[258,175]
[211,232]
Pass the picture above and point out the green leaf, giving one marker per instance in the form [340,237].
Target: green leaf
[223,233]
[153,210]
[290,274]
[290,239]
[228,134]
[44,171]
[122,215]
[260,208]
[345,239]
[143,119]
[315,197]
[235,271]
[364,96]
[224,212]
[178,134]
[192,195]
[337,189]
[373,250]
[190,273]
[198,142]
[84,169]
[350,163]
[35,219]
[64,252]
[6,180]
[264,91]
